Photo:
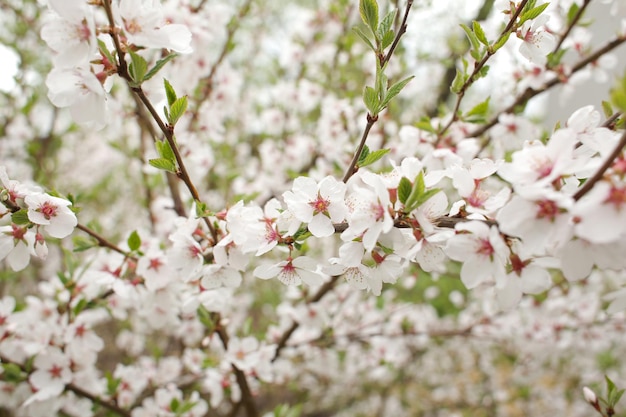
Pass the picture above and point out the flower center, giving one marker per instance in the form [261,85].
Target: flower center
[547,209]
[320,205]
[617,197]
[48,210]
[485,248]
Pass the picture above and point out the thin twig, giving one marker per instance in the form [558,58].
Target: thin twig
[102,241]
[531,92]
[575,20]
[588,185]
[477,68]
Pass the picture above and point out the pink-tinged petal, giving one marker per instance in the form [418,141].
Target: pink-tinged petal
[305,262]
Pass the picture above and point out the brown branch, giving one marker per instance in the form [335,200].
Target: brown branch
[355,159]
[531,92]
[477,68]
[103,242]
[575,20]
[401,32]
[588,185]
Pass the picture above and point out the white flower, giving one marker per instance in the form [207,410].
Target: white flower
[537,43]
[318,205]
[16,244]
[80,90]
[144,25]
[51,212]
[51,374]
[482,252]
[70,33]
[292,271]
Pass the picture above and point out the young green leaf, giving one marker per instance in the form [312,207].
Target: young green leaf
[165,150]
[169,92]
[386,24]
[394,90]
[472,37]
[364,153]
[425,125]
[370,98]
[137,67]
[157,67]
[134,241]
[404,189]
[373,157]
[363,36]
[478,112]
[369,13]
[499,43]
[388,38]
[417,191]
[164,164]
[20,217]
[607,109]
[480,33]
[457,83]
[532,13]
[177,110]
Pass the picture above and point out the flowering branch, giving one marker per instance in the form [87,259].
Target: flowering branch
[575,19]
[478,66]
[588,185]
[532,92]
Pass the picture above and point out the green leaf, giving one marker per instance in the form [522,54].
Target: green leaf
[157,67]
[363,36]
[416,192]
[404,189]
[381,83]
[458,82]
[480,33]
[388,39]
[479,111]
[20,217]
[82,243]
[471,36]
[425,125]
[370,98]
[394,90]
[105,51]
[137,67]
[572,12]
[177,109]
[169,92]
[532,13]
[426,196]
[500,43]
[164,164]
[369,13]
[385,25]
[134,241]
[607,109]
[618,94]
[205,318]
[165,150]
[364,153]
[373,157]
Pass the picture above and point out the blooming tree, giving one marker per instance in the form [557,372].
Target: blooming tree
[235,208]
